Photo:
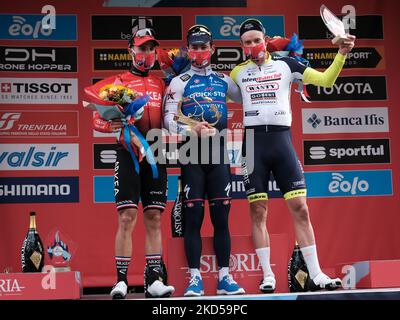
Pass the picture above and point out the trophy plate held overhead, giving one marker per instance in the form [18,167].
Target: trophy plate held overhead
[334,24]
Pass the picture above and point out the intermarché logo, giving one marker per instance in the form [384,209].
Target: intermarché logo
[314,120]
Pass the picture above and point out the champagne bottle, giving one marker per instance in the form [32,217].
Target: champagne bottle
[298,275]
[32,253]
[177,213]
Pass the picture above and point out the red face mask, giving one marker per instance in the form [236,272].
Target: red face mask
[143,61]
[200,59]
[255,53]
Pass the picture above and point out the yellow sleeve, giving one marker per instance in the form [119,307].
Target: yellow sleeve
[328,77]
[233,74]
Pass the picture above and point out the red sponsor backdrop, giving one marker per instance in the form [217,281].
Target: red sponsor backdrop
[347,228]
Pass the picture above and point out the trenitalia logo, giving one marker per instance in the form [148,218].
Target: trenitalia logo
[7,120]
[29,27]
[342,120]
[39,190]
[39,157]
[38,124]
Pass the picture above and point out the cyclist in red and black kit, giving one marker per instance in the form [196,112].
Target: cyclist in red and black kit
[128,184]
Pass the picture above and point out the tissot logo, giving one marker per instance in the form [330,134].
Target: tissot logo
[38,90]
[362,57]
[333,120]
[38,59]
[367,27]
[166,27]
[227,58]
[321,152]
[351,88]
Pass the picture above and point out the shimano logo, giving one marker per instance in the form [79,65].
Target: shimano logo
[338,184]
[12,190]
[7,120]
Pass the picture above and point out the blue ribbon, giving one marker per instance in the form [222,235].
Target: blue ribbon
[132,109]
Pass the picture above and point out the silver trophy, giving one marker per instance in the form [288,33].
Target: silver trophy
[334,24]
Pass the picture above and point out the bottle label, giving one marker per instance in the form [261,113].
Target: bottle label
[36,258]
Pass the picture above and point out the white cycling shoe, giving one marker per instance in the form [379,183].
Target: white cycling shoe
[322,281]
[268,284]
[159,290]
[119,291]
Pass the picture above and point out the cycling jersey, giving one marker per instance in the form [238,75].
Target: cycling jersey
[266,89]
[204,93]
[143,83]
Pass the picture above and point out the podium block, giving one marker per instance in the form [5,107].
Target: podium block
[40,286]
[370,274]
[244,264]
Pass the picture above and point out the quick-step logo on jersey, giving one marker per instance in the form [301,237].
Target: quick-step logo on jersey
[207,100]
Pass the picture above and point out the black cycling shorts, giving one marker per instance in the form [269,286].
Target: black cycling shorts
[130,186]
[273,153]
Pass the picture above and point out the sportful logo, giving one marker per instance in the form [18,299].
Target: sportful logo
[322,152]
[29,27]
[227,27]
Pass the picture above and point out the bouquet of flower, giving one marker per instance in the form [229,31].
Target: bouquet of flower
[115,100]
[283,47]
[173,62]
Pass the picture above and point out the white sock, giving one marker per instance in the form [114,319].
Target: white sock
[195,272]
[311,259]
[223,272]
[263,255]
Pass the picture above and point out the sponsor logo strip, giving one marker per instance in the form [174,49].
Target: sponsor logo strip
[39,190]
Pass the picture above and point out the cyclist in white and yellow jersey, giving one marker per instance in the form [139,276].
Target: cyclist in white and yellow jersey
[265,85]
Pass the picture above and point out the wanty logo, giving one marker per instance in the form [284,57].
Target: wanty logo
[7,120]
[353,187]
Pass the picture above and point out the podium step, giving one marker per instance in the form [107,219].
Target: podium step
[40,286]
[370,274]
